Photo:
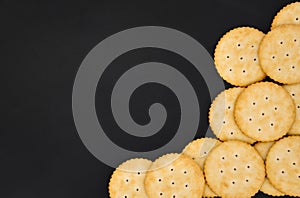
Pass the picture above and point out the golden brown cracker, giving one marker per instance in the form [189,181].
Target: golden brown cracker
[198,151]
[290,14]
[236,56]
[174,175]
[234,169]
[128,179]
[279,54]
[267,188]
[263,148]
[283,165]
[294,91]
[264,111]
[221,118]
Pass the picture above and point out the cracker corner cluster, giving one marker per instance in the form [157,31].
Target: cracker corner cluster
[257,125]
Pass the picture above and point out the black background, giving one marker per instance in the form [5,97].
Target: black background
[42,44]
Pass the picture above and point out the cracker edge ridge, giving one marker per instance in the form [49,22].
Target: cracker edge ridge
[219,41]
[242,143]
[286,194]
[110,180]
[279,12]
[268,82]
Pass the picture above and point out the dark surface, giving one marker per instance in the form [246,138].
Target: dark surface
[42,46]
[146,95]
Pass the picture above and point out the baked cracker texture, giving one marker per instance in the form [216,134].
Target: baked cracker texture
[221,117]
[236,56]
[128,179]
[279,54]
[264,111]
[174,175]
[198,151]
[283,165]
[267,188]
[294,91]
[290,14]
[234,169]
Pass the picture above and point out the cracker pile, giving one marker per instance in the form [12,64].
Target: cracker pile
[256,122]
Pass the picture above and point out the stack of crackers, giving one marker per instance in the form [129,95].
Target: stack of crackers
[257,124]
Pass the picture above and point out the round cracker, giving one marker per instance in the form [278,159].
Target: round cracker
[279,54]
[128,179]
[236,56]
[267,188]
[264,111]
[221,118]
[294,91]
[174,175]
[198,151]
[234,169]
[283,165]
[290,14]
